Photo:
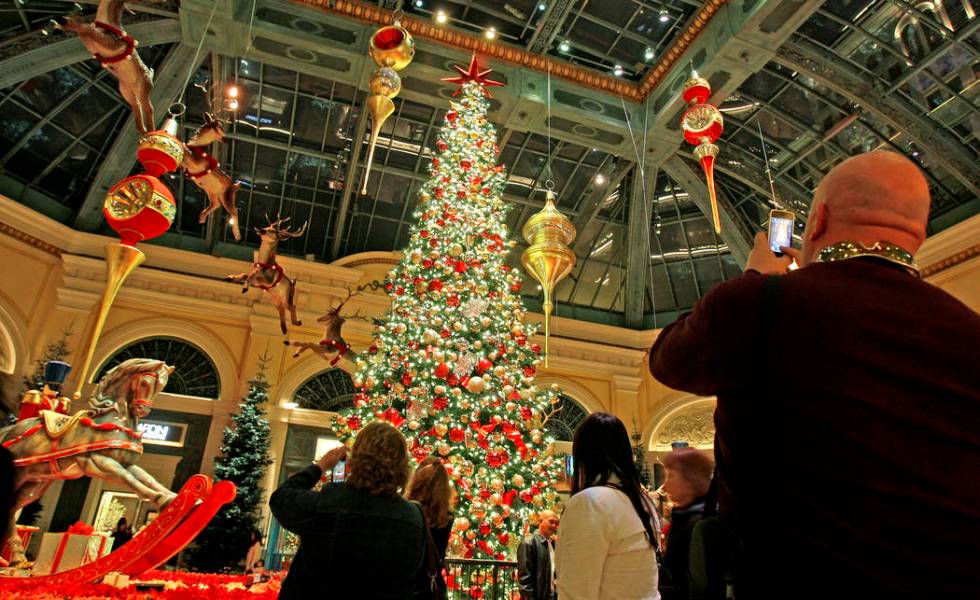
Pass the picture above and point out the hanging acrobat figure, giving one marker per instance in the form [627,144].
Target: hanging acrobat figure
[267,274]
[116,51]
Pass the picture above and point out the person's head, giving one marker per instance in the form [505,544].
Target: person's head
[378,462]
[602,455]
[121,523]
[430,487]
[878,196]
[688,475]
[547,523]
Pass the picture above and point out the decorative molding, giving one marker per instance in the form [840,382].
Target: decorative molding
[522,58]
[29,239]
[574,390]
[950,261]
[688,406]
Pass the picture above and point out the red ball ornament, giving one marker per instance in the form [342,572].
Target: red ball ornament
[452,379]
[435,285]
[139,208]
[453,300]
[460,266]
[483,365]
[465,164]
[440,403]
[427,263]
[476,592]
[441,145]
[354,422]
[536,348]
[516,287]
[484,528]
[435,163]
[406,379]
[160,151]
[442,370]
[424,234]
[525,412]
[529,371]
[451,116]
[504,539]
[457,435]
[461,194]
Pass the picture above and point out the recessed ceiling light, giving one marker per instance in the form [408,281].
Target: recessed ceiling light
[231,91]
[600,178]
[664,15]
[233,104]
[648,54]
[418,3]
[490,34]
[618,70]
[542,6]
[564,46]
[441,17]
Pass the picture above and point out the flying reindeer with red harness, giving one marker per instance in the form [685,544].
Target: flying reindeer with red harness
[204,169]
[267,274]
[332,343]
[116,51]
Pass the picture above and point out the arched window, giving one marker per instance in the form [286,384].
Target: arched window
[194,371]
[563,423]
[330,390]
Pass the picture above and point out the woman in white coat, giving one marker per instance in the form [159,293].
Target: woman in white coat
[607,538]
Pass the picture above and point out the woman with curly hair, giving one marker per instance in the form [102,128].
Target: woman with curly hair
[358,539]
[431,489]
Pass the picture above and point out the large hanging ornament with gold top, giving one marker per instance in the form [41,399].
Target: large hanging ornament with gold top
[548,258]
[392,49]
[138,208]
[702,124]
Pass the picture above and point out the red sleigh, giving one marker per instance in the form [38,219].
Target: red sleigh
[178,524]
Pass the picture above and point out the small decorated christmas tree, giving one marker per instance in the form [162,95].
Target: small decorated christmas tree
[243,461]
[451,363]
[640,456]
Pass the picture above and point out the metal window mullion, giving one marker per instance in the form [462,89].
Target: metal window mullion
[64,153]
[687,240]
[415,171]
[289,142]
[319,163]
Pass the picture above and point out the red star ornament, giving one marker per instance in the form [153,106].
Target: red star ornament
[473,73]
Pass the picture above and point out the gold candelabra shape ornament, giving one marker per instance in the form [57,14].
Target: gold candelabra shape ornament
[548,258]
[702,124]
[392,49]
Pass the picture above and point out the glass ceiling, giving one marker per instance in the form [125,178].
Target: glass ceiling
[290,144]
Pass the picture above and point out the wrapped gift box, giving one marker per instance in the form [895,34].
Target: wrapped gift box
[62,551]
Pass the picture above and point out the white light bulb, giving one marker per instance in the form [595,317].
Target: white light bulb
[664,15]
[542,6]
[618,70]
[564,46]
[418,3]
[232,91]
[600,178]
[490,34]
[648,54]
[441,18]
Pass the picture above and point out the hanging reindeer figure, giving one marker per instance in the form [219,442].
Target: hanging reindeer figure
[116,51]
[333,342]
[204,170]
[267,274]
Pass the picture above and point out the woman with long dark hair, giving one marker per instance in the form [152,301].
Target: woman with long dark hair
[607,541]
[431,488]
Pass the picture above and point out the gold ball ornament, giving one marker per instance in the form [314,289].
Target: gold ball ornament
[415,257]
[517,481]
[413,425]
[485,322]
[385,82]
[441,429]
[443,449]
[475,385]
[470,535]
[497,483]
[392,46]
[461,524]
[456,249]
[510,406]
[478,510]
[430,336]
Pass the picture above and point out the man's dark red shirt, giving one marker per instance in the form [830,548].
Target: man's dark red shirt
[847,428]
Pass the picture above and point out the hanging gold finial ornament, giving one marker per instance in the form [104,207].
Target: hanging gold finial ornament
[702,124]
[548,258]
[392,49]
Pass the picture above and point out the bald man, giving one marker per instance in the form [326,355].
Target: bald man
[536,560]
[848,402]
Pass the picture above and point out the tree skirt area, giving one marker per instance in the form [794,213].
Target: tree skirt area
[152,584]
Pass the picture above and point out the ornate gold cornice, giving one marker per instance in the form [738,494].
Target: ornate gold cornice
[580,75]
[950,261]
[29,239]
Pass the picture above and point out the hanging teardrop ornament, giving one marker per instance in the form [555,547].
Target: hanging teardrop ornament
[703,124]
[548,258]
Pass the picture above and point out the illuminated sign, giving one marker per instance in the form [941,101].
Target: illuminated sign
[162,433]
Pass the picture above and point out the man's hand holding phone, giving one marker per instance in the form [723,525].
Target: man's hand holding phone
[329,460]
[763,260]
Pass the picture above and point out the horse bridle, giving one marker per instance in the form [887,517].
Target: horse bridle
[142,389]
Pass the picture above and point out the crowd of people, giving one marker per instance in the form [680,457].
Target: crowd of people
[845,461]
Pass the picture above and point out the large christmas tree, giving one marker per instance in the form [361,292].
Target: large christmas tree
[451,363]
[243,461]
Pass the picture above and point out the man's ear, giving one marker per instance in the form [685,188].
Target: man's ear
[817,221]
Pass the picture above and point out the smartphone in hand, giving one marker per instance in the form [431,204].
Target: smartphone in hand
[781,230]
[339,472]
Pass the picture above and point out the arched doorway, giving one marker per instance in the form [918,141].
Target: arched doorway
[562,424]
[330,391]
[194,371]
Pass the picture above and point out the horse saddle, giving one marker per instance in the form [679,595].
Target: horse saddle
[57,425]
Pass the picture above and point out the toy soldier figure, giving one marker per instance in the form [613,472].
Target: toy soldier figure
[34,401]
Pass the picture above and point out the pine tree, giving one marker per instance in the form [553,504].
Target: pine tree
[56,351]
[451,363]
[243,461]
[640,456]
